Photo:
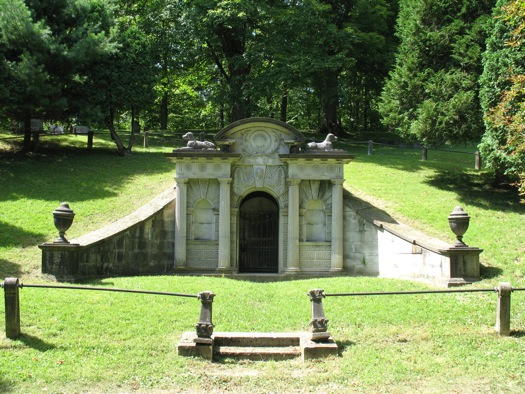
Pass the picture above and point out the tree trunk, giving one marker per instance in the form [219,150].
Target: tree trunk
[284,106]
[164,112]
[328,90]
[110,123]
[240,103]
[27,133]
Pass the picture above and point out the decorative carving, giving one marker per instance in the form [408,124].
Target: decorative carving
[316,190]
[193,144]
[205,326]
[326,145]
[243,179]
[319,325]
[203,189]
[275,179]
[259,172]
[260,142]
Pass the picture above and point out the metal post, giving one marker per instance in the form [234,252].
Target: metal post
[205,326]
[370,147]
[146,139]
[477,160]
[424,154]
[319,323]
[12,308]
[503,313]
[90,140]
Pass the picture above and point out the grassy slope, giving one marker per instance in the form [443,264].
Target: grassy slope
[107,342]
[99,186]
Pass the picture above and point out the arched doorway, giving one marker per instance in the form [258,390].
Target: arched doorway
[259,234]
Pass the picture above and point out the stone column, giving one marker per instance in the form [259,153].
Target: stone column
[503,311]
[12,308]
[293,225]
[337,225]
[224,224]
[180,222]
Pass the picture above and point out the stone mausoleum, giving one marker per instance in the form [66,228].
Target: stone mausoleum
[259,201]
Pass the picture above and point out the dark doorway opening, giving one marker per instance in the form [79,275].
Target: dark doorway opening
[259,234]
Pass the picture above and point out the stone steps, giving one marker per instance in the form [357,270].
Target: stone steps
[257,353]
[257,346]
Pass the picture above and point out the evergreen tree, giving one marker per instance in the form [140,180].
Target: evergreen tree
[45,47]
[503,92]
[431,95]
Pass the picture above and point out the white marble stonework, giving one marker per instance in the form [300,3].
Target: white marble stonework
[259,200]
[299,194]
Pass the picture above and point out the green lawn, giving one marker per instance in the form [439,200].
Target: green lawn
[78,341]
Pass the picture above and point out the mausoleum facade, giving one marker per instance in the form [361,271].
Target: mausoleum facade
[256,200]
[261,204]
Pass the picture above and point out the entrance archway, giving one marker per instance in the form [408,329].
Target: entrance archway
[259,234]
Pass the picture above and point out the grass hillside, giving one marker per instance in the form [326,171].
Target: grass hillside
[91,342]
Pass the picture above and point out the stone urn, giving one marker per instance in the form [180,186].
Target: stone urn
[63,218]
[458,222]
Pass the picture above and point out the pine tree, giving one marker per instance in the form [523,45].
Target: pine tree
[431,95]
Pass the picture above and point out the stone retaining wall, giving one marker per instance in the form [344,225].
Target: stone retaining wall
[374,245]
[139,244]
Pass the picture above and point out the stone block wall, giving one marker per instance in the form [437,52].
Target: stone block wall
[139,244]
[374,245]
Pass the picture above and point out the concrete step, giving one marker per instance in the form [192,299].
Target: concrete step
[257,353]
[256,339]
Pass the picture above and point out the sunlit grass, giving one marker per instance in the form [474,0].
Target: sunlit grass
[79,341]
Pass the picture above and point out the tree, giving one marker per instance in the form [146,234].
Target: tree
[224,33]
[503,93]
[45,45]
[121,81]
[431,95]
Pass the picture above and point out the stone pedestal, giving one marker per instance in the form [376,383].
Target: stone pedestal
[464,265]
[60,260]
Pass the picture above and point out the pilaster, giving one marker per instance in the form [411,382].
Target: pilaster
[293,225]
[180,222]
[337,225]
[224,224]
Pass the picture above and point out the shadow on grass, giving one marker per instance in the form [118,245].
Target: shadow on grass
[6,387]
[517,333]
[10,236]
[343,346]
[489,272]
[72,173]
[35,343]
[476,189]
[9,269]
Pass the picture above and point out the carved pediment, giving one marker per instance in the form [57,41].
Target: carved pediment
[259,140]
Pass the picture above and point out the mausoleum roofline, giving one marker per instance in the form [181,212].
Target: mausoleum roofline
[318,155]
[221,134]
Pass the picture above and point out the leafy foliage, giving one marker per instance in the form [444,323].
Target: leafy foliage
[503,93]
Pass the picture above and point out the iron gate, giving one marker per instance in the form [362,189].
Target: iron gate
[259,235]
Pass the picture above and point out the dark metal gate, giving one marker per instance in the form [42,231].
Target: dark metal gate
[259,234]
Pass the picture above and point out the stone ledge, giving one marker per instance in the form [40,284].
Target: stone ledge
[140,215]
